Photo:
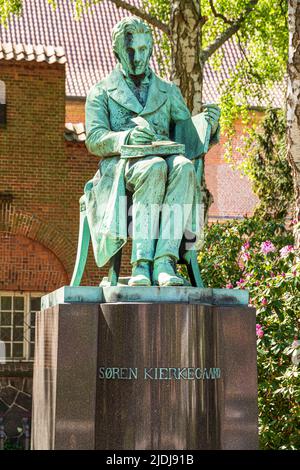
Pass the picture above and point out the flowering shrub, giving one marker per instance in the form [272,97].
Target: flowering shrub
[259,256]
[259,331]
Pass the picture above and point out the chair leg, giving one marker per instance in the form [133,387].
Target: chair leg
[83,246]
[193,268]
[114,268]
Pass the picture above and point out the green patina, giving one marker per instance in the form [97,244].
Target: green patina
[134,122]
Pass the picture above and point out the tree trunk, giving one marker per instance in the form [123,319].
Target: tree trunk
[187,69]
[293,105]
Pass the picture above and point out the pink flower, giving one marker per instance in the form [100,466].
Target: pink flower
[259,330]
[246,246]
[282,274]
[284,252]
[257,283]
[229,286]
[294,222]
[240,283]
[267,247]
[246,256]
[264,301]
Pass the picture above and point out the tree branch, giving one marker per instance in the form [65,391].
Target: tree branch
[229,32]
[254,74]
[143,15]
[218,15]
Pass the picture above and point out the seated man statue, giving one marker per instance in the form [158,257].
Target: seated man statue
[134,107]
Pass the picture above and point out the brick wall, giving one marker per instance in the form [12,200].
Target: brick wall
[26,263]
[232,192]
[42,176]
[75,110]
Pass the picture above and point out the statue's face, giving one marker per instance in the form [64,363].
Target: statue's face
[135,55]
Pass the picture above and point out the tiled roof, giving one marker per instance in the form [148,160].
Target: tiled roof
[87,44]
[27,52]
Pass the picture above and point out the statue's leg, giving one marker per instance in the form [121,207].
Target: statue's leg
[176,210]
[146,179]
[177,205]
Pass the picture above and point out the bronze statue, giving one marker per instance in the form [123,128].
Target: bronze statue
[137,122]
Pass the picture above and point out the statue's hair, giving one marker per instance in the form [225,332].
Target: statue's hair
[129,24]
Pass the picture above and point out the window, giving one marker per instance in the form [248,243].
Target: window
[17,324]
[2,104]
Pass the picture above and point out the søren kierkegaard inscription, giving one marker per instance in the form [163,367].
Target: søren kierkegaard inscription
[159,373]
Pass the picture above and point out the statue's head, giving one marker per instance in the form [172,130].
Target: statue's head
[132,44]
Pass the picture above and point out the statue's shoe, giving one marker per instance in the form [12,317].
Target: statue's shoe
[164,273]
[140,275]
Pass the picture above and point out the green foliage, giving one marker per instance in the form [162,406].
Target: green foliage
[219,257]
[265,163]
[246,254]
[263,42]
[158,8]
[263,35]
[9,7]
[14,7]
[263,45]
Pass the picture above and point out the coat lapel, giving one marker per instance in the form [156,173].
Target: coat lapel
[120,92]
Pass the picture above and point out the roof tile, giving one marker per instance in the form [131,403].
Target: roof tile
[20,51]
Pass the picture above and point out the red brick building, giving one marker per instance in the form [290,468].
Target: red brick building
[44,165]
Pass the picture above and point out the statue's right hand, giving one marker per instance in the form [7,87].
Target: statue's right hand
[141,135]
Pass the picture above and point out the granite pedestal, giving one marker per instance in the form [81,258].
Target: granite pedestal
[166,374]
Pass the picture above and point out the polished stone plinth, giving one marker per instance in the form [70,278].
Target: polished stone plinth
[178,376]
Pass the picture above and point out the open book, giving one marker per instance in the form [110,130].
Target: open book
[160,148]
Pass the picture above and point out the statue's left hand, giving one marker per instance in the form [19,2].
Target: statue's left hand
[212,115]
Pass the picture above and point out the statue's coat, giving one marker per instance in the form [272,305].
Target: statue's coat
[110,106]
